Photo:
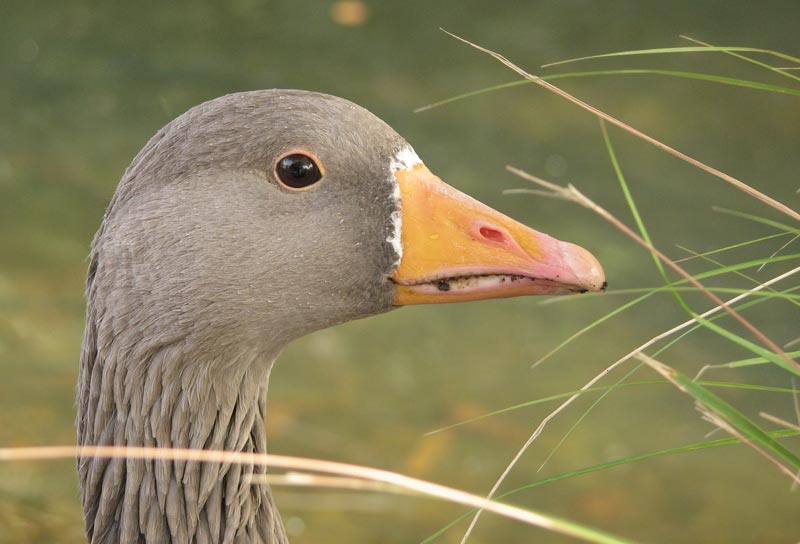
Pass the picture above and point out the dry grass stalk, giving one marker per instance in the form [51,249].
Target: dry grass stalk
[384,477]
[639,134]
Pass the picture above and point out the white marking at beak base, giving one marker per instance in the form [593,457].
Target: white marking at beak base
[405,159]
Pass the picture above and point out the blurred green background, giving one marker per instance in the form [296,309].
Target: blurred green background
[85,84]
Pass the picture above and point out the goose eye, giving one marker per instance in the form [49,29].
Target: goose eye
[297,171]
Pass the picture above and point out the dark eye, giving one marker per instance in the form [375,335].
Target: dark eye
[297,171]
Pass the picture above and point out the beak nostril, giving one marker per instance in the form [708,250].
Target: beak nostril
[493,234]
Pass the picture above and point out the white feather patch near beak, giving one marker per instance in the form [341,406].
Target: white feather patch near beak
[405,159]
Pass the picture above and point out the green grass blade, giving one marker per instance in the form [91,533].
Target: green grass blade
[470,94]
[696,327]
[611,464]
[769,290]
[750,362]
[748,59]
[636,216]
[601,388]
[678,50]
[734,246]
[711,78]
[758,350]
[741,266]
[749,84]
[757,219]
[726,412]
[726,290]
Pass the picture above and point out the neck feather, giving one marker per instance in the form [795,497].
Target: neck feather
[131,394]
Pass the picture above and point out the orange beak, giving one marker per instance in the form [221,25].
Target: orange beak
[456,249]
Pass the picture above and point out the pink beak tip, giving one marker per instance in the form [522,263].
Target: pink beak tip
[585,266]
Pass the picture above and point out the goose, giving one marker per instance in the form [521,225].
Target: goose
[247,222]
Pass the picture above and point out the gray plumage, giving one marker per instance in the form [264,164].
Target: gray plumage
[203,269]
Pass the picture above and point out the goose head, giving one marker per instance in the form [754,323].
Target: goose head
[245,223]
